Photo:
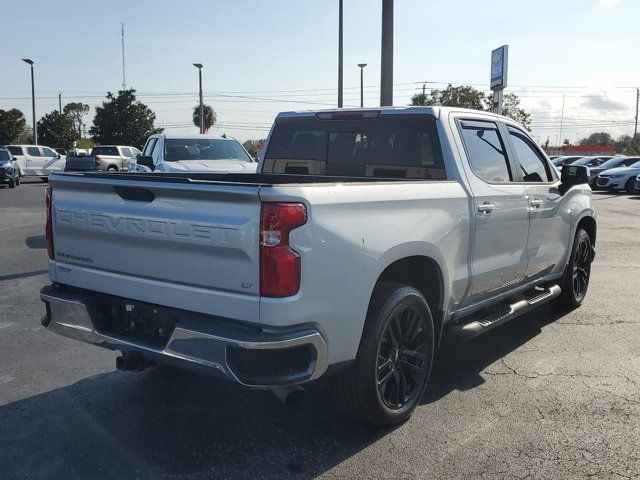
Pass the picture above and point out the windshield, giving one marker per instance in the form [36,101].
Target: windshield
[4,156]
[590,161]
[177,149]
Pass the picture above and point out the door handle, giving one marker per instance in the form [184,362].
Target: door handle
[486,207]
[535,203]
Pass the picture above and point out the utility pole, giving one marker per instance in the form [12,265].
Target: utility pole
[424,89]
[60,103]
[124,81]
[362,65]
[635,130]
[33,102]
[386,55]
[562,119]
[199,67]
[340,57]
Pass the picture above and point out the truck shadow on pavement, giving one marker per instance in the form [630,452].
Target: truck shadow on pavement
[164,423]
[458,364]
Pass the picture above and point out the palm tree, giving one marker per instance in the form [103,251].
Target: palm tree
[210,117]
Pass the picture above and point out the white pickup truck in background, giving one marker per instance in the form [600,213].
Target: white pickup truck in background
[194,153]
[365,236]
[36,160]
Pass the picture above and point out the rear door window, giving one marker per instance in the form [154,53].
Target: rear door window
[485,151]
[125,152]
[47,152]
[34,151]
[391,146]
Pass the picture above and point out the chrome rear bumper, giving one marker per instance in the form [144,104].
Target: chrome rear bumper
[196,344]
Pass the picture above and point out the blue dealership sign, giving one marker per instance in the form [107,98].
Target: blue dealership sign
[499,61]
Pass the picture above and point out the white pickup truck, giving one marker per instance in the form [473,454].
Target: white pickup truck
[37,161]
[364,238]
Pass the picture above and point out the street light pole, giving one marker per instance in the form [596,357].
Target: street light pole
[635,130]
[33,102]
[199,67]
[340,57]
[362,65]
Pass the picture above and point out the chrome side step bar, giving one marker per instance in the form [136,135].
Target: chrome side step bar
[482,322]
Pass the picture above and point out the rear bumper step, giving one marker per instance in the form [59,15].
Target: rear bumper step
[482,322]
[238,354]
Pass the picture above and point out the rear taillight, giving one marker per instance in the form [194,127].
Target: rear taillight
[279,263]
[97,161]
[49,226]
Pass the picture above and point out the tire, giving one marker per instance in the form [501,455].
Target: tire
[44,179]
[12,183]
[112,170]
[629,186]
[18,180]
[580,260]
[371,390]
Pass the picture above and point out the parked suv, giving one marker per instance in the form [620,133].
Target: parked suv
[366,236]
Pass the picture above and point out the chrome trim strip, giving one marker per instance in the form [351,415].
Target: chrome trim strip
[190,343]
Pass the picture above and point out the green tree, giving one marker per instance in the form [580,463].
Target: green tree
[511,108]
[210,117]
[12,125]
[463,96]
[57,130]
[123,120]
[622,141]
[76,111]
[251,146]
[633,146]
[420,100]
[600,139]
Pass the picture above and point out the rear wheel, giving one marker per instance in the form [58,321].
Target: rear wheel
[394,359]
[112,169]
[18,180]
[575,280]
[12,183]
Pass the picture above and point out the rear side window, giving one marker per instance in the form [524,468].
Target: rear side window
[485,151]
[113,151]
[533,166]
[391,146]
[33,151]
[15,150]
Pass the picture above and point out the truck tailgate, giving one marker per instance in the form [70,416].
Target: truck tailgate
[189,245]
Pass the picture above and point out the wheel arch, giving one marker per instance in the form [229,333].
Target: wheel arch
[588,222]
[425,273]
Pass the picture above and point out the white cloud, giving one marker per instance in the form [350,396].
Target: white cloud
[608,3]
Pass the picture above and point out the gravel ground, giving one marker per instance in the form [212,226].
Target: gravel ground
[549,395]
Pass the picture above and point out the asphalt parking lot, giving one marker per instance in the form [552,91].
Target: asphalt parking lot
[553,394]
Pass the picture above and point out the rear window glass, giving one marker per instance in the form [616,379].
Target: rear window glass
[4,154]
[15,150]
[391,146]
[177,150]
[105,151]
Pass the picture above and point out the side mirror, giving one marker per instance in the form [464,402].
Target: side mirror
[59,156]
[574,175]
[146,161]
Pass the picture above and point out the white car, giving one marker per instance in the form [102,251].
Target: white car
[194,153]
[36,160]
[622,178]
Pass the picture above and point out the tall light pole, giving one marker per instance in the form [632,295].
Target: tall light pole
[33,102]
[199,67]
[386,57]
[362,65]
[635,130]
[340,63]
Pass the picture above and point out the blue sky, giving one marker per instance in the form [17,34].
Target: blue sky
[262,57]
